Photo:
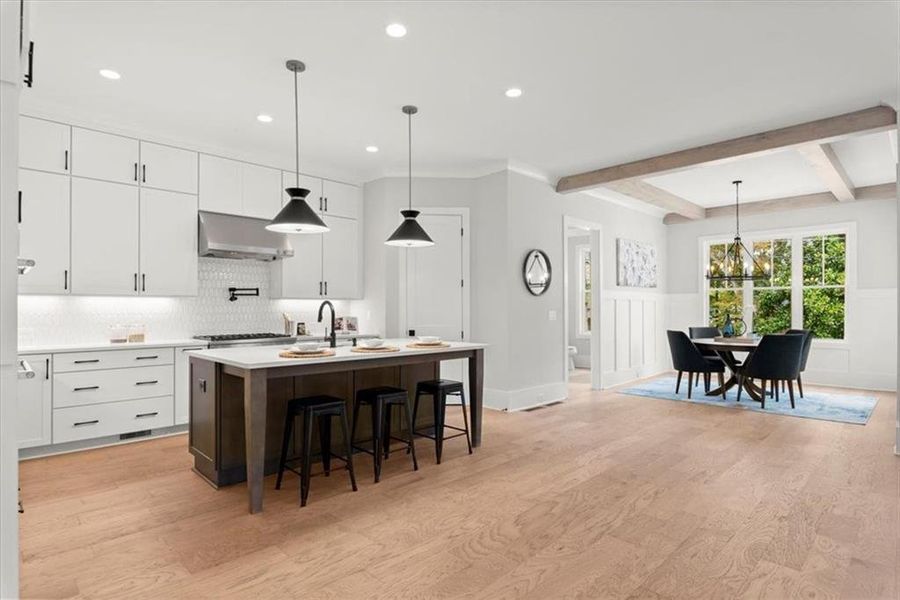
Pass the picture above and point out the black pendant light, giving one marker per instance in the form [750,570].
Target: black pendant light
[738,264]
[410,234]
[297,216]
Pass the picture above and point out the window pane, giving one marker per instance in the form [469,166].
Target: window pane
[762,256]
[812,260]
[772,311]
[823,312]
[835,259]
[725,302]
[721,263]
[781,263]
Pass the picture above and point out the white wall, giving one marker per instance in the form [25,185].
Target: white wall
[582,343]
[79,319]
[510,214]
[868,357]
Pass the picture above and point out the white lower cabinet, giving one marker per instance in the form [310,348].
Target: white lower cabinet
[34,403]
[112,418]
[96,387]
[105,219]
[183,383]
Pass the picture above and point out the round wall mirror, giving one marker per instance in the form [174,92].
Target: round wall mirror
[537,272]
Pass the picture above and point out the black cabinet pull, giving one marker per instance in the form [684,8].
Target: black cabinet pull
[135,171]
[326,203]
[95,421]
[20,206]
[46,368]
[29,77]
[135,282]
[152,382]
[150,414]
[320,288]
[86,388]
[66,160]
[146,357]
[92,360]
[66,279]
[143,282]
[143,173]
[326,288]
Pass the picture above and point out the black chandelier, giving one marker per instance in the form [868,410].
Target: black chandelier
[738,264]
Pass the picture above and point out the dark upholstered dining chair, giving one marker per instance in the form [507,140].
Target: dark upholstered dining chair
[807,345]
[686,357]
[699,333]
[776,359]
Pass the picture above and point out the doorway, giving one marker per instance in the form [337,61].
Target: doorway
[437,283]
[582,282]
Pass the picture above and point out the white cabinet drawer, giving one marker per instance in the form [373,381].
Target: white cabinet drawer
[112,359]
[95,387]
[84,422]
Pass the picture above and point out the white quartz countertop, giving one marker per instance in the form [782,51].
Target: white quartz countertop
[264,357]
[95,346]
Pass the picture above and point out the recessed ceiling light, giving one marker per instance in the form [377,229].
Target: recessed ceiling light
[513,93]
[110,74]
[264,118]
[395,30]
[371,148]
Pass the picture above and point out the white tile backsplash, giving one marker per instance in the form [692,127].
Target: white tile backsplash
[85,319]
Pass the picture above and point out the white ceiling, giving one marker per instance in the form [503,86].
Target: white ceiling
[603,82]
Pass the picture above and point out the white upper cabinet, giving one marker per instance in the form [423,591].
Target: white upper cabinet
[260,191]
[340,199]
[34,402]
[313,184]
[168,243]
[340,258]
[301,275]
[104,156]
[44,231]
[104,238]
[220,185]
[44,145]
[168,168]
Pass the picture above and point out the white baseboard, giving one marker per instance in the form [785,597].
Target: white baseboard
[521,399]
[614,378]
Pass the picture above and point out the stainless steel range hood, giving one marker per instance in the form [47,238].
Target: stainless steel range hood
[229,236]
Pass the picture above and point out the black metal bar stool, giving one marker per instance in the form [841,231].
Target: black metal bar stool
[322,409]
[439,389]
[381,399]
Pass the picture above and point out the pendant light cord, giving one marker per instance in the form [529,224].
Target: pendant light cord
[737,209]
[409,150]
[296,130]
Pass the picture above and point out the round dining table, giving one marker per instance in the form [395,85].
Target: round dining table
[725,349]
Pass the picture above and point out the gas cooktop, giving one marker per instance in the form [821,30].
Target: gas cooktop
[245,339]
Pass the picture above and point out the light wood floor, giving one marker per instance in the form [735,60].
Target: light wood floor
[605,496]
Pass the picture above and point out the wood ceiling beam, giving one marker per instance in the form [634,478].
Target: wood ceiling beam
[643,191]
[826,164]
[883,191]
[877,118]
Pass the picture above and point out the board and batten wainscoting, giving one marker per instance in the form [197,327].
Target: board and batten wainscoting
[633,338]
[857,361]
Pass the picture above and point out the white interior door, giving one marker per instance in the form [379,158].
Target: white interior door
[435,285]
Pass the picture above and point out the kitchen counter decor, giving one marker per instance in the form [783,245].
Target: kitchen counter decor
[381,349]
[320,354]
[425,346]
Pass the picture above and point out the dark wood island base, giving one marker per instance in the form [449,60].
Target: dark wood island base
[238,412]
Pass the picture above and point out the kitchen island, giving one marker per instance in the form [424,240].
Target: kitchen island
[239,396]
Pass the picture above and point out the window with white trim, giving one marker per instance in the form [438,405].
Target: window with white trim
[804,284]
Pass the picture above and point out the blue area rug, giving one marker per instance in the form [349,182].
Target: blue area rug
[842,408]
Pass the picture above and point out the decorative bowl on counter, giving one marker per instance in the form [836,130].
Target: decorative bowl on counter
[370,343]
[428,340]
[305,348]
